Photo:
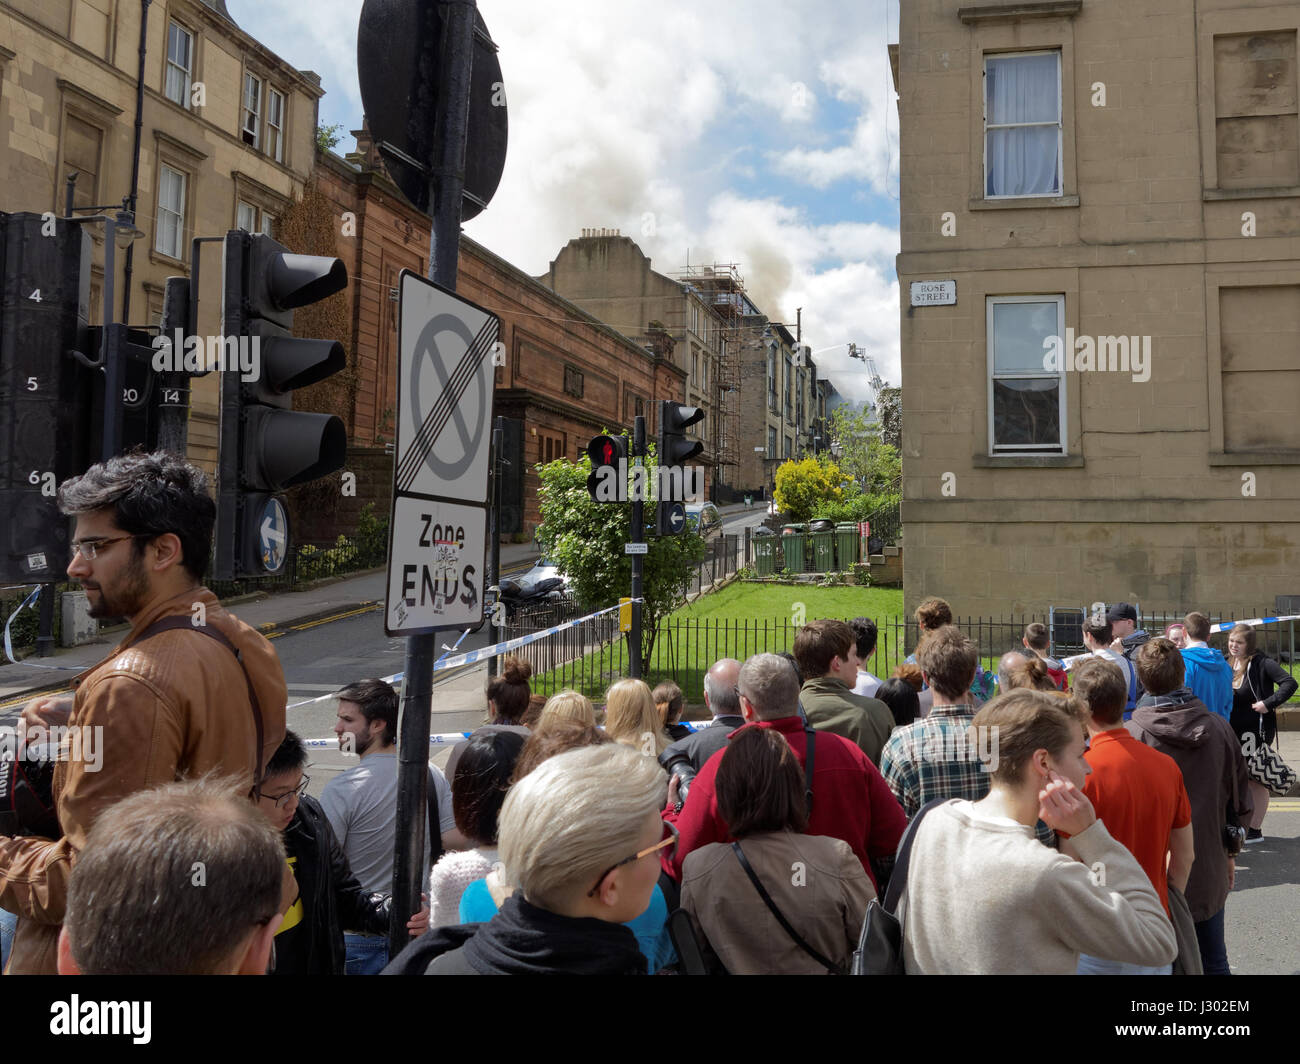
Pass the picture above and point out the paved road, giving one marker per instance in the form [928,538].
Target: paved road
[1262,932]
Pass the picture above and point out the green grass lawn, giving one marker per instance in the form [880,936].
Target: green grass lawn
[737,621]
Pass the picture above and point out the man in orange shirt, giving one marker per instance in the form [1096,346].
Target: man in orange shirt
[1138,793]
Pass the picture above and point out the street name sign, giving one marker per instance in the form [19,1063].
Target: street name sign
[437,540]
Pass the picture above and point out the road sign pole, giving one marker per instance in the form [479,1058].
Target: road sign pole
[494,537]
[637,535]
[446,187]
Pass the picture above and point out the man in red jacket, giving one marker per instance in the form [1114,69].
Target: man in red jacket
[850,800]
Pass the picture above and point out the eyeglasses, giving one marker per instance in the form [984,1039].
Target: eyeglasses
[740,694]
[669,839]
[90,548]
[281,799]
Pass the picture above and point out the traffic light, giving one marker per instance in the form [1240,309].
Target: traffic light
[265,445]
[45,395]
[675,450]
[608,479]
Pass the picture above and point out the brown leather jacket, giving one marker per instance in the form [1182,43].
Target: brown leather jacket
[173,708]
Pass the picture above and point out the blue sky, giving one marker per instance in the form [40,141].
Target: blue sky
[768,138]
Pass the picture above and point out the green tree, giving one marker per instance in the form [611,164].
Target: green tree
[585,539]
[806,487]
[871,462]
[328,136]
[890,408]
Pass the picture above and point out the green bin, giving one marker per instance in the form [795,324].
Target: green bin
[764,554]
[823,544]
[792,540]
[846,544]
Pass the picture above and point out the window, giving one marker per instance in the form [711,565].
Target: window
[789,446]
[573,382]
[252,110]
[275,126]
[268,223]
[1026,401]
[169,232]
[1022,125]
[1255,110]
[771,442]
[180,64]
[246,217]
[82,150]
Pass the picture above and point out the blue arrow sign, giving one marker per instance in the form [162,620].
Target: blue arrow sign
[677,517]
[274,532]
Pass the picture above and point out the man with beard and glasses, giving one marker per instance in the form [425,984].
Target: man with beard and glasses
[361,806]
[188,691]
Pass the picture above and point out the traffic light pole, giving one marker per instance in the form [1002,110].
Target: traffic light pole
[446,190]
[637,536]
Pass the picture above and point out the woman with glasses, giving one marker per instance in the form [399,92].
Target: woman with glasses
[775,901]
[310,938]
[580,838]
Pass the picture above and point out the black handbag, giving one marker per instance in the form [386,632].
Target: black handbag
[880,943]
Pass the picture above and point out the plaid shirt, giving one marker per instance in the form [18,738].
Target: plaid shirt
[941,756]
[937,757]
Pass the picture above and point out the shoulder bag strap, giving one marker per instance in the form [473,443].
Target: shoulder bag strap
[898,880]
[830,966]
[178,622]
[809,758]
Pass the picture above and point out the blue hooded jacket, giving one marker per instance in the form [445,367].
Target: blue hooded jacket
[1209,675]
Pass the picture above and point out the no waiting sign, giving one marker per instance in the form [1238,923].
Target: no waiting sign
[437,544]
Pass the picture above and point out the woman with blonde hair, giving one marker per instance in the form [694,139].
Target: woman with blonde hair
[631,717]
[567,705]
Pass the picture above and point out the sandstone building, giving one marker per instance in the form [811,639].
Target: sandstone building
[1117,181]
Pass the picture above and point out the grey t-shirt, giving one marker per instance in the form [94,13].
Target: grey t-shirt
[361,805]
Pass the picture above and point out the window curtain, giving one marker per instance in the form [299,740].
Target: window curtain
[1023,161]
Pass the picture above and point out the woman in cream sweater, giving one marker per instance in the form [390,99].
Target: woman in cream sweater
[985,897]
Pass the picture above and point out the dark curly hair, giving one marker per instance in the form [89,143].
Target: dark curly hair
[150,495]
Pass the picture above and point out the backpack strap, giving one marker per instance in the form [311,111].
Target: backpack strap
[178,622]
[809,757]
[830,966]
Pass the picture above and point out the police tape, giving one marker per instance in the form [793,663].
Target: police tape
[445,738]
[483,653]
[1223,626]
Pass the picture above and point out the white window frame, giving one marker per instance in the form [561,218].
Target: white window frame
[186,72]
[1062,409]
[251,79]
[251,227]
[178,250]
[267,223]
[1060,125]
[274,129]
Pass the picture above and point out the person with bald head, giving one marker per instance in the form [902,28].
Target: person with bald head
[687,756]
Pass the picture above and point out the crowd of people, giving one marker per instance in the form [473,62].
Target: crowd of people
[1063,816]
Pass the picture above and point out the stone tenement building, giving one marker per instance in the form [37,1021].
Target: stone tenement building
[567,375]
[228,139]
[1114,182]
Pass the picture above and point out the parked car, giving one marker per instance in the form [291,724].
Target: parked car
[705,519]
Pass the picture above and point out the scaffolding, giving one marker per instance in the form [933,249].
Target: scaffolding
[722,287]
